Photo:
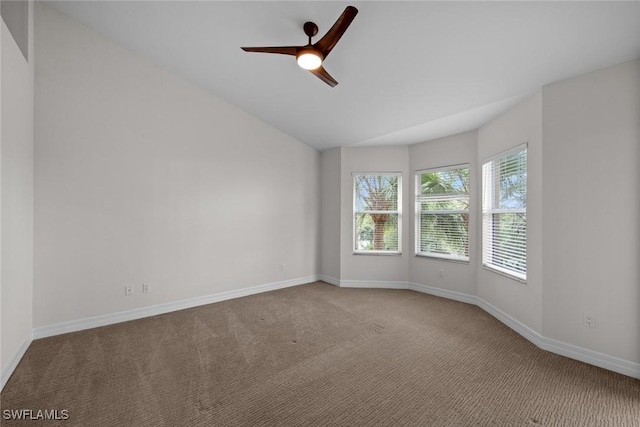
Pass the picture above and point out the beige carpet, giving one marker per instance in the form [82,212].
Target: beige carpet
[316,355]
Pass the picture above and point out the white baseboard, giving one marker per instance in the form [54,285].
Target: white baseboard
[7,371]
[364,284]
[444,293]
[138,313]
[330,280]
[370,284]
[611,363]
[519,327]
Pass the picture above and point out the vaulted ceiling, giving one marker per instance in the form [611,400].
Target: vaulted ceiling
[407,71]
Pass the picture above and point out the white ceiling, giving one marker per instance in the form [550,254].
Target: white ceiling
[407,71]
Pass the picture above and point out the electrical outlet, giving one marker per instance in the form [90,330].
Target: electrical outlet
[441,272]
[128,290]
[282,267]
[589,320]
[146,288]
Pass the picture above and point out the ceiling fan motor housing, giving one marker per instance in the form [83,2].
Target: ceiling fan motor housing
[310,29]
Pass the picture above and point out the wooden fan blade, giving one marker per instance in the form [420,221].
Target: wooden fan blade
[326,43]
[322,74]
[283,50]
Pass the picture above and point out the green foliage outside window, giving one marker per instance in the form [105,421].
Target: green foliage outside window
[504,211]
[442,206]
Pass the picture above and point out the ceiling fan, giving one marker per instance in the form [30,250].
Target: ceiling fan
[310,57]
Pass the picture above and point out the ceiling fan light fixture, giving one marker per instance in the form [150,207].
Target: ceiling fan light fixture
[311,56]
[309,59]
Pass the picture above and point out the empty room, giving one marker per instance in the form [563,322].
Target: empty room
[320,213]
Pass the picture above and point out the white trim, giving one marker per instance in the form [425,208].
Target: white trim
[508,151]
[138,313]
[354,174]
[372,252]
[443,257]
[373,284]
[330,280]
[519,327]
[418,211]
[7,371]
[444,293]
[490,196]
[611,363]
[442,169]
[363,284]
[513,275]
[355,212]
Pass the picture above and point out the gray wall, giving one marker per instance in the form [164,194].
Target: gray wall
[523,123]
[16,153]
[373,268]
[583,199]
[16,16]
[143,178]
[591,202]
[452,150]
[330,214]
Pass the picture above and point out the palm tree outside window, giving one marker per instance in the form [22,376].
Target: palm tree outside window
[377,213]
[442,212]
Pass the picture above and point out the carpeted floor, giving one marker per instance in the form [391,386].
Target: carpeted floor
[316,355]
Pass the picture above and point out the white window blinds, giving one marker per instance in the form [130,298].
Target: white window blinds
[504,213]
[442,212]
[377,214]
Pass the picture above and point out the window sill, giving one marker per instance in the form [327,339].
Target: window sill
[443,258]
[506,273]
[383,253]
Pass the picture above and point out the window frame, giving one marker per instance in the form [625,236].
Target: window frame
[355,212]
[418,211]
[490,266]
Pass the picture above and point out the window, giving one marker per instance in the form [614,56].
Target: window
[504,213]
[442,213]
[377,214]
